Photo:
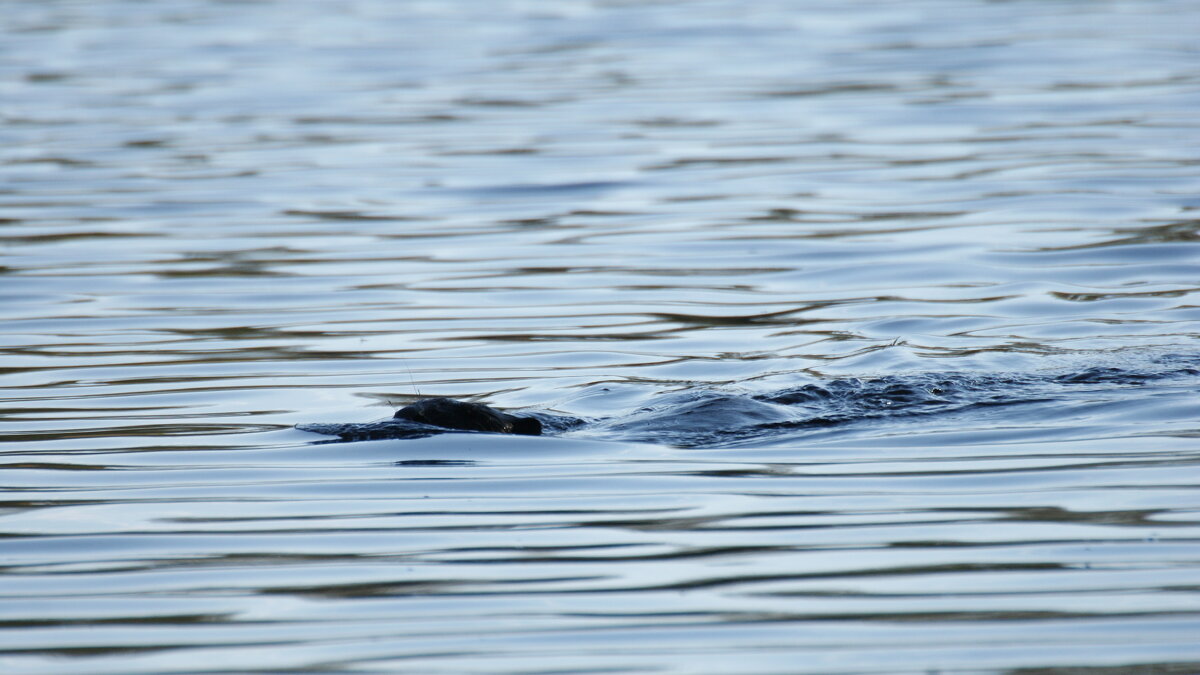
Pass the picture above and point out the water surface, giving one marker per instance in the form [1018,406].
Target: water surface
[224,219]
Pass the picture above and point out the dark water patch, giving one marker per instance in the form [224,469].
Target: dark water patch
[432,462]
[548,189]
[342,215]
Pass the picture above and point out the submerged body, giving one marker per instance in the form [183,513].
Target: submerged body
[451,414]
[700,417]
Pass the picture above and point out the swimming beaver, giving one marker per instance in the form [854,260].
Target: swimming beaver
[698,417]
[450,414]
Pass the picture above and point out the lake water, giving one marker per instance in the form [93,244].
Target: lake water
[972,224]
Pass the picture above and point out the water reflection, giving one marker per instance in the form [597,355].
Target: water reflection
[951,241]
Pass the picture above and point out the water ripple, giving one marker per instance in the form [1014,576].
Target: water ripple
[880,317]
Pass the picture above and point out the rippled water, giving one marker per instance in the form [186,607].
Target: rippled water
[971,224]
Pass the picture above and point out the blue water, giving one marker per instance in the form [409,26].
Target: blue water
[880,321]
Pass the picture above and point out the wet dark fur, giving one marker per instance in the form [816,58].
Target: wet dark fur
[451,414]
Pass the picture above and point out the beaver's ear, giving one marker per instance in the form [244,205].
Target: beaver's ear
[528,426]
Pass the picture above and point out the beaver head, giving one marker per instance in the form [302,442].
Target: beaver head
[451,414]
